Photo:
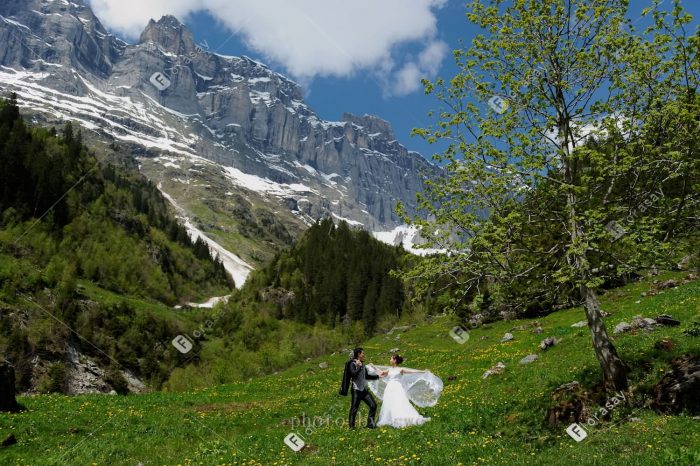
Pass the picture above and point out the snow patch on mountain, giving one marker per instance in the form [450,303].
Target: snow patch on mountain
[347,220]
[408,236]
[210,303]
[98,106]
[237,267]
[316,173]
[265,185]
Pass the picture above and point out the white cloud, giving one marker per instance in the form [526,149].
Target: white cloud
[432,56]
[131,16]
[407,79]
[312,38]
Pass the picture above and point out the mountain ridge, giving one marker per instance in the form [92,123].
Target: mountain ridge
[233,111]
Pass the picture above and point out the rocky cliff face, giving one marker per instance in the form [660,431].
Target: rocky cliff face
[169,95]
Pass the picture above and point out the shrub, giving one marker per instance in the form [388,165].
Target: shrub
[117,381]
[55,380]
[693,330]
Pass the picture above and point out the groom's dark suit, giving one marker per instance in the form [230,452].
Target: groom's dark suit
[360,392]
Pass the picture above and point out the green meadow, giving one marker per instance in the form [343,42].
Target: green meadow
[499,420]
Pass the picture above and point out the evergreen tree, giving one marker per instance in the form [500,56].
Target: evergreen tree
[336,273]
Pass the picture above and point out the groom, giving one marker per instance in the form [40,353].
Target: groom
[356,372]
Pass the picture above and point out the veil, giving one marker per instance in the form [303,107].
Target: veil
[422,388]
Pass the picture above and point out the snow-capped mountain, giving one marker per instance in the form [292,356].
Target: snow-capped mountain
[176,107]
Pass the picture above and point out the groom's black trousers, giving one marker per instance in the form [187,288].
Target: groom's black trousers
[357,397]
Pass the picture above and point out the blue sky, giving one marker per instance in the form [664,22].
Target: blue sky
[413,38]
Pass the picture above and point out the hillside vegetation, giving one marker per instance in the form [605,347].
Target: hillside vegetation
[498,420]
[331,289]
[70,223]
[93,260]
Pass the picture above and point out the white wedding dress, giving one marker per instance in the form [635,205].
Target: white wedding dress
[397,391]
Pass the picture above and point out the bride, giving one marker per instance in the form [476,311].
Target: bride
[399,388]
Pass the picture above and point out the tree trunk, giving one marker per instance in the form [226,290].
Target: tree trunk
[614,368]
[8,403]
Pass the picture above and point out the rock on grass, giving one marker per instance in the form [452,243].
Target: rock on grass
[548,343]
[529,358]
[497,369]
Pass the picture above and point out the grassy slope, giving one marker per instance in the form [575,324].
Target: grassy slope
[202,191]
[493,421]
[143,305]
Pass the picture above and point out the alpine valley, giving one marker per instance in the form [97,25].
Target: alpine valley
[228,141]
[195,267]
